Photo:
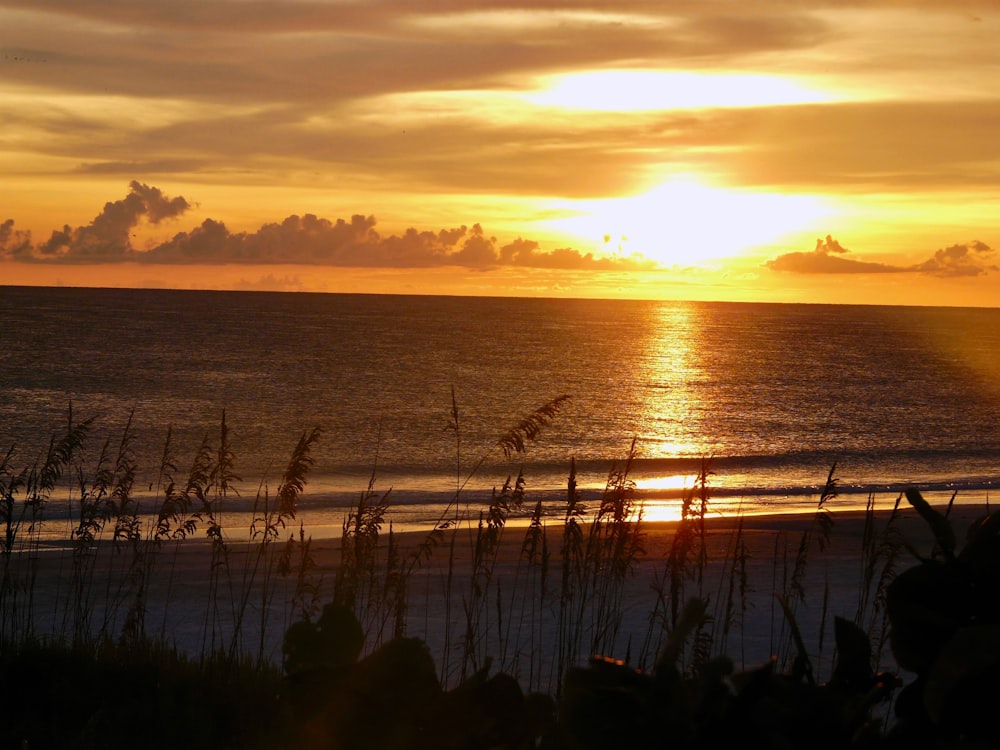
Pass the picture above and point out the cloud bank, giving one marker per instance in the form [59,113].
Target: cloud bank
[210,89]
[306,239]
[968,259]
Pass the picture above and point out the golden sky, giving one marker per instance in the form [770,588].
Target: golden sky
[806,151]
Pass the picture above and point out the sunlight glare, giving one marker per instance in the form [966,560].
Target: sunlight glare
[660,511]
[649,90]
[668,483]
[672,408]
[684,222]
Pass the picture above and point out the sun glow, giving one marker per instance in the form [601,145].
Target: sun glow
[684,222]
[668,483]
[648,90]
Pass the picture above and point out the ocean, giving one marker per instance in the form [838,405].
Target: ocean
[772,396]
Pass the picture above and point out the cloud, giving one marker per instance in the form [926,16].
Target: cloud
[163,166]
[970,259]
[356,243]
[217,88]
[221,87]
[271,283]
[826,258]
[14,244]
[526,253]
[898,144]
[300,50]
[222,90]
[306,239]
[107,236]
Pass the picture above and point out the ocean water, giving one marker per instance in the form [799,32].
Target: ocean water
[771,395]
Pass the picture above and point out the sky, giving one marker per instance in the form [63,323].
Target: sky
[716,150]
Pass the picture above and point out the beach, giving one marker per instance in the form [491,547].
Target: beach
[748,563]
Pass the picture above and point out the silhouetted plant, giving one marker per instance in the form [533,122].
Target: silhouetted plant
[149,696]
[106,494]
[484,557]
[265,530]
[392,697]
[354,679]
[686,562]
[220,482]
[362,581]
[945,627]
[880,553]
[610,705]
[793,591]
[514,440]
[23,496]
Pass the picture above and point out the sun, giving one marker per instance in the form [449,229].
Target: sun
[686,222]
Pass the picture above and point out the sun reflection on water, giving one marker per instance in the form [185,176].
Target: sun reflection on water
[660,512]
[662,496]
[666,483]
[673,410]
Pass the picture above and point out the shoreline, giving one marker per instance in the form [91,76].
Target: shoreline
[325,522]
[847,524]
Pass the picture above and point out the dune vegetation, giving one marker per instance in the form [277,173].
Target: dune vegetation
[151,625]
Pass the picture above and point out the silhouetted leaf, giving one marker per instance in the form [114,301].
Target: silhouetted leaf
[802,659]
[691,618]
[980,534]
[854,653]
[973,652]
[943,532]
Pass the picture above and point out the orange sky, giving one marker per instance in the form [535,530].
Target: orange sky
[780,151]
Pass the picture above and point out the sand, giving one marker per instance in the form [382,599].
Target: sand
[180,610]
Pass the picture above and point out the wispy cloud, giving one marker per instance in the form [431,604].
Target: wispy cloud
[210,88]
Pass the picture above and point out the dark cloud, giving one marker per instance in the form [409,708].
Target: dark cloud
[306,239]
[526,253]
[477,251]
[829,245]
[14,244]
[356,243]
[204,244]
[107,236]
[970,259]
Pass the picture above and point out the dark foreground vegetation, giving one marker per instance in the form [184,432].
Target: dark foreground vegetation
[523,649]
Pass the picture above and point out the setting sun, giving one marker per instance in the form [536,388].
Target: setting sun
[693,151]
[685,222]
[384,374]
